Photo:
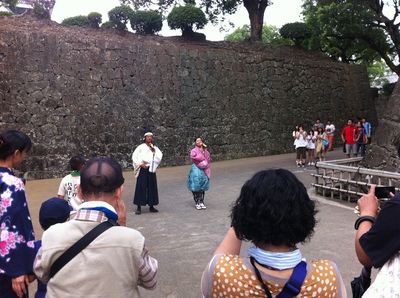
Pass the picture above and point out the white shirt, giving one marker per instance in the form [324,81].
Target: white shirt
[144,155]
[330,129]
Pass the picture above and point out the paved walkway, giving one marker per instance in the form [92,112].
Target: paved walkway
[182,238]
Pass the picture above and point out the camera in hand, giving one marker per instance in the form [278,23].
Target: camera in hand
[383,192]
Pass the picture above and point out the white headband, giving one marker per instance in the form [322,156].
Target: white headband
[148,134]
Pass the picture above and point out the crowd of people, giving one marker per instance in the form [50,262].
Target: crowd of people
[314,143]
[85,226]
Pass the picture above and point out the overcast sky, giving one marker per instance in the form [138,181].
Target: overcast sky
[278,14]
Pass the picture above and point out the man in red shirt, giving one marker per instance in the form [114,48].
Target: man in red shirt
[348,137]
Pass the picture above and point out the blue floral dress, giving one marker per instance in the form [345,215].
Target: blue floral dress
[16,231]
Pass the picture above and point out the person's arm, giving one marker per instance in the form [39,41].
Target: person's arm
[41,273]
[230,244]
[368,206]
[61,190]
[357,136]
[148,268]
[20,285]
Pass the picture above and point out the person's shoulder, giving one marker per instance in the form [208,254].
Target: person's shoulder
[325,265]
[123,231]
[66,177]
[227,258]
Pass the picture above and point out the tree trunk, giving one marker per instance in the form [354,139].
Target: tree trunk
[256,9]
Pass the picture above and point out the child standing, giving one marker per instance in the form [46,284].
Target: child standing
[52,211]
[68,189]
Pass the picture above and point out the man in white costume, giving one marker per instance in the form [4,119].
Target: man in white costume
[146,158]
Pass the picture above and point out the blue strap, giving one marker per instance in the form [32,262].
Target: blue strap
[293,285]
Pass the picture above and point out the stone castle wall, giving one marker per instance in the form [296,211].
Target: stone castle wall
[91,91]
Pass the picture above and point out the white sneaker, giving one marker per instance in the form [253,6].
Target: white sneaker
[198,207]
[309,163]
[203,206]
[312,163]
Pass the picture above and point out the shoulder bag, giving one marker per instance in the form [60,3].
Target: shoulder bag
[292,287]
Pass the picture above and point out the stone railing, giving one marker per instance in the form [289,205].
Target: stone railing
[346,179]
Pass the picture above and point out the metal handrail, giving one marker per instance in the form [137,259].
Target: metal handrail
[344,176]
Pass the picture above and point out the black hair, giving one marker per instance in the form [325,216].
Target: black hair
[195,139]
[76,163]
[274,208]
[13,140]
[48,222]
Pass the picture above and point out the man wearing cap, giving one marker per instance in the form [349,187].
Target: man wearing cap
[146,159]
[116,262]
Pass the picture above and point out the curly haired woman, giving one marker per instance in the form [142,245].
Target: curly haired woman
[275,213]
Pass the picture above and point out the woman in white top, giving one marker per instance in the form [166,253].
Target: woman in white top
[301,147]
[311,147]
[330,131]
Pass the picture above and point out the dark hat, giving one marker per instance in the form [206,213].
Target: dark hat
[53,211]
[101,174]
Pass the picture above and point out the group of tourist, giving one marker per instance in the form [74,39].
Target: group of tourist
[318,140]
[356,137]
[314,143]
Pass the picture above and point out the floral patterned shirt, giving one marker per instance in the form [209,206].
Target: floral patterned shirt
[16,231]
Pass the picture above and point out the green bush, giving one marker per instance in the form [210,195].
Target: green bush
[185,17]
[199,36]
[108,24]
[95,19]
[120,16]
[146,22]
[5,14]
[298,32]
[80,21]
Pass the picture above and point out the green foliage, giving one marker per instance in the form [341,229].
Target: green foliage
[270,35]
[185,17]
[354,31]
[95,19]
[80,21]
[377,72]
[109,25]
[298,32]
[120,16]
[6,14]
[199,36]
[146,22]
[216,10]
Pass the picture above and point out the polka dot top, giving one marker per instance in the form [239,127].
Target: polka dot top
[233,276]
